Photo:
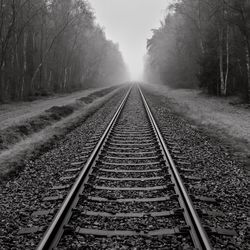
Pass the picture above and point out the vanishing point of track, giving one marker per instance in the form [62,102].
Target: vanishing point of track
[129,168]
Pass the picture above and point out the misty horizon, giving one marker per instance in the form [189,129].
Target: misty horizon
[130,28]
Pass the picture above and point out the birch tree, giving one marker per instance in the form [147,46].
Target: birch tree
[52,46]
[206,40]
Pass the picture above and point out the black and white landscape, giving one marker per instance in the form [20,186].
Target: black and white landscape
[124,124]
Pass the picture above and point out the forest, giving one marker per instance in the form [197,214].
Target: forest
[203,43]
[53,46]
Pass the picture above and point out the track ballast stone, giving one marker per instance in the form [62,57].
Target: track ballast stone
[221,174]
[129,199]
[24,193]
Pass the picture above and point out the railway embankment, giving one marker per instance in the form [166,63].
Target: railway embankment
[129,169]
[220,171]
[33,127]
[226,119]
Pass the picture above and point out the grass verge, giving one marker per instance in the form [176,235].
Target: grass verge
[223,123]
[29,147]
[13,134]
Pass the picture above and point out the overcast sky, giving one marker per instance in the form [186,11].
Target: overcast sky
[129,23]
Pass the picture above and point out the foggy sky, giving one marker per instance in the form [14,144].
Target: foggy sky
[129,23]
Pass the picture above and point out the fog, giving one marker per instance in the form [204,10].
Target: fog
[129,23]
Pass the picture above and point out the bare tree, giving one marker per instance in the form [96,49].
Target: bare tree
[207,40]
[52,46]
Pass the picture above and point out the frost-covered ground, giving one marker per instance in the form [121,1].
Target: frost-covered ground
[15,112]
[29,131]
[217,115]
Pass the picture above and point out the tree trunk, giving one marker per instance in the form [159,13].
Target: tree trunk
[221,61]
[24,71]
[200,29]
[65,79]
[223,43]
[225,92]
[49,80]
[41,51]
[248,72]
[1,85]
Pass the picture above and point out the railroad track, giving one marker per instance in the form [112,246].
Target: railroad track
[128,193]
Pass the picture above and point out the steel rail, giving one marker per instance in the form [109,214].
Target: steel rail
[55,230]
[198,233]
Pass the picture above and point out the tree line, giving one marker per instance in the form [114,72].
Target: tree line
[205,43]
[51,46]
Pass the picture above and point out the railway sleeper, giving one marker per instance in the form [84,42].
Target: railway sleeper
[155,152]
[161,232]
[147,158]
[108,199]
[131,179]
[174,212]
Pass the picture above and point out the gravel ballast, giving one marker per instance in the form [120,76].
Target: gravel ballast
[222,176]
[105,204]
[213,177]
[23,194]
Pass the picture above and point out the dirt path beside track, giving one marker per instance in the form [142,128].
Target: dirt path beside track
[16,112]
[214,115]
